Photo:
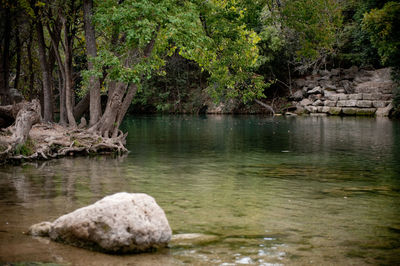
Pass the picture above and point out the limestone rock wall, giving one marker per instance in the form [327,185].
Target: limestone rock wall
[345,92]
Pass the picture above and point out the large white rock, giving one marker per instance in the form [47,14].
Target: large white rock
[120,223]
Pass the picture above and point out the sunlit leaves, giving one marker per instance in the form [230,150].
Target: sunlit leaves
[208,32]
[383,26]
[310,27]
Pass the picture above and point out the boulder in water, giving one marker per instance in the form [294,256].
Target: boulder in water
[120,223]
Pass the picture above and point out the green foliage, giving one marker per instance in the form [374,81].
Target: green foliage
[210,33]
[355,44]
[230,53]
[316,23]
[237,45]
[309,28]
[76,143]
[383,25]
[174,92]
[25,149]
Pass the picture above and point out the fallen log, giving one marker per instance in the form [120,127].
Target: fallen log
[266,106]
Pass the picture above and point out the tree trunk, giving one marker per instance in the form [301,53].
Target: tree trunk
[117,106]
[8,114]
[26,118]
[5,59]
[82,106]
[94,84]
[68,73]
[118,102]
[55,40]
[18,63]
[124,107]
[30,64]
[63,110]
[47,99]
[106,124]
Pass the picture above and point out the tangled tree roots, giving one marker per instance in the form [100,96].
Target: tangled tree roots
[27,139]
[47,141]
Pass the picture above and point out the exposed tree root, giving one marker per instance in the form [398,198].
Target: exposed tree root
[47,141]
[27,140]
[268,107]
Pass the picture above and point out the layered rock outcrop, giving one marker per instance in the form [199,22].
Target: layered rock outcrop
[345,92]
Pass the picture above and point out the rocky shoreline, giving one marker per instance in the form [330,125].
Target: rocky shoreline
[350,91]
[339,91]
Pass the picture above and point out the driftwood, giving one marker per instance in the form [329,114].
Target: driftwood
[268,107]
[48,141]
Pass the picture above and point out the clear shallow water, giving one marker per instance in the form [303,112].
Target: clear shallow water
[282,191]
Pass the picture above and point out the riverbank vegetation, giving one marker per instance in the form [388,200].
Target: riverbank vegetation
[96,60]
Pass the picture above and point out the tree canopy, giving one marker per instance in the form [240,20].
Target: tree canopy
[93,58]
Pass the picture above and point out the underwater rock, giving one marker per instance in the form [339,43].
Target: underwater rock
[40,229]
[192,239]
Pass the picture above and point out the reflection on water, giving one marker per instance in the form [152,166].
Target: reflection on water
[282,191]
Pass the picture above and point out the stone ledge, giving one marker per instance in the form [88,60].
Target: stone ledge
[364,104]
[349,111]
[347,103]
[366,111]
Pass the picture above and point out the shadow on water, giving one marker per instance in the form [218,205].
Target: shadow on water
[273,190]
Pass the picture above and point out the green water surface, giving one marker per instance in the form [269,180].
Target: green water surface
[275,191]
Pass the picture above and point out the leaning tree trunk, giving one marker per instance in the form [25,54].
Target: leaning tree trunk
[63,110]
[30,63]
[107,122]
[68,73]
[124,108]
[8,114]
[120,96]
[25,114]
[47,98]
[55,37]
[26,118]
[5,59]
[94,84]
[18,63]
[268,107]
[117,105]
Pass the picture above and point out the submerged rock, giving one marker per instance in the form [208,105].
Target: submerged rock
[192,239]
[40,229]
[120,223]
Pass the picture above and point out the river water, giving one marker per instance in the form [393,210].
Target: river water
[275,191]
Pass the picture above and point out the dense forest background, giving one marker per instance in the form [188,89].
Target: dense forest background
[96,58]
